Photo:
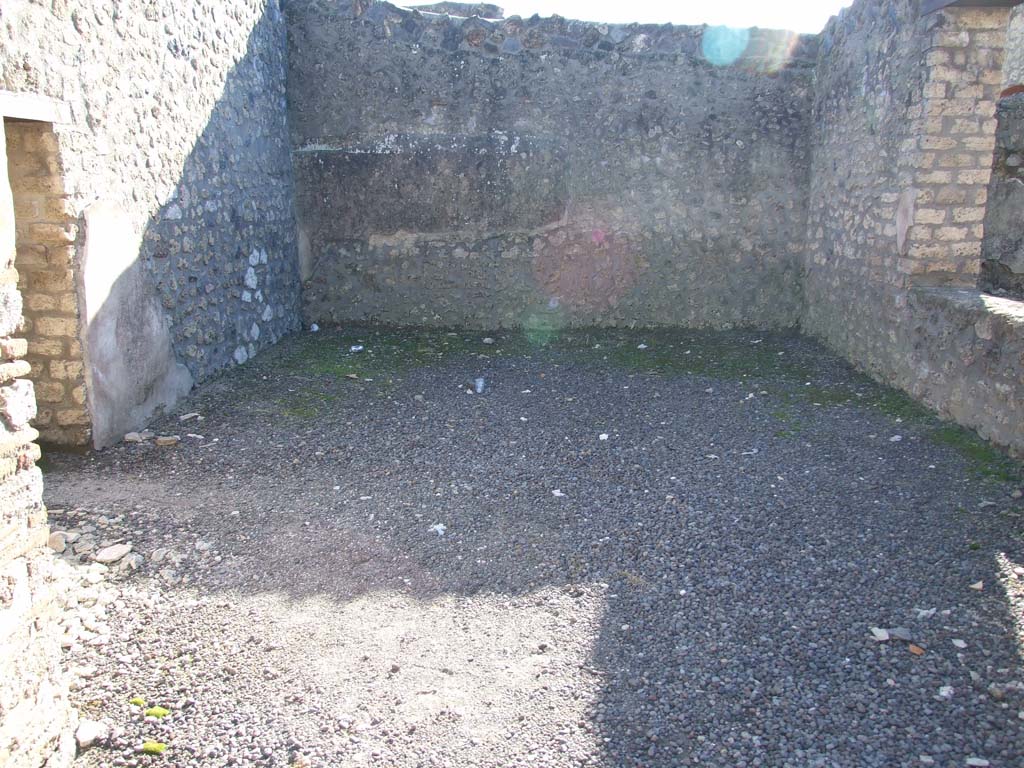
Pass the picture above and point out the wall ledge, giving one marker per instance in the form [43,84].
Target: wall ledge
[31,106]
[1008,311]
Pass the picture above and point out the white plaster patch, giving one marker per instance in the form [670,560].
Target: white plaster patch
[905,219]
[18,403]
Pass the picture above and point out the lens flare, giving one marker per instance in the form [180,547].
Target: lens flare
[771,51]
[540,328]
[761,50]
[586,270]
[722,46]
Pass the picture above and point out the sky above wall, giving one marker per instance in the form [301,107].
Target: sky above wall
[796,15]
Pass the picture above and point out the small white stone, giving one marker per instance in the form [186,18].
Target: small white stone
[251,281]
[978,762]
[89,732]
[978,586]
[958,643]
[113,553]
[881,635]
[488,340]
[58,541]
[603,436]
[557,493]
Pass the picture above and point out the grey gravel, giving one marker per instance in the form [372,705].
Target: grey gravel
[702,592]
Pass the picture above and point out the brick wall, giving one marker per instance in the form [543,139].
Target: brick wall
[35,716]
[952,138]
[45,236]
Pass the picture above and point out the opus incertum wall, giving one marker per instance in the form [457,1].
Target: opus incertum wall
[495,173]
[902,148]
[1003,250]
[176,253]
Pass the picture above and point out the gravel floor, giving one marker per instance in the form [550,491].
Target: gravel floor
[658,549]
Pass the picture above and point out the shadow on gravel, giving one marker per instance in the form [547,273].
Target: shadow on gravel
[743,508]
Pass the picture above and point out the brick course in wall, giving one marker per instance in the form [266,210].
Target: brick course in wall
[45,240]
[952,138]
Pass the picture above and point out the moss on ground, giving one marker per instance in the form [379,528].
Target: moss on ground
[324,368]
[983,457]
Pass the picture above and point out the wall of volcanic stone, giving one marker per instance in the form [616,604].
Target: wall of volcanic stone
[1002,268]
[161,181]
[902,147]
[177,187]
[498,173]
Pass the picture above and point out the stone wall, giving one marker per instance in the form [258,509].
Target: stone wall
[169,163]
[177,142]
[1013,69]
[500,173]
[35,716]
[1002,269]
[46,278]
[904,117]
